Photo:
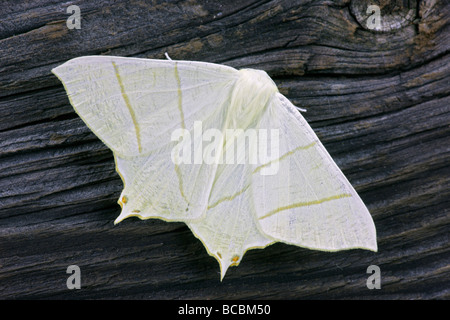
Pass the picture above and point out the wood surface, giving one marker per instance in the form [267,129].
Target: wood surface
[378,100]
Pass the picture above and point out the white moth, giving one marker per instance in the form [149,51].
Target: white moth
[219,149]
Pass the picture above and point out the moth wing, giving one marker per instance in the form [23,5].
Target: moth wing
[228,229]
[300,195]
[134,106]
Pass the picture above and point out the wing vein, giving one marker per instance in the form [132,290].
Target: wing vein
[183,125]
[127,103]
[305,203]
[284,156]
[228,198]
[180,97]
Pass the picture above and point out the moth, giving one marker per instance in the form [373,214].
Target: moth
[219,149]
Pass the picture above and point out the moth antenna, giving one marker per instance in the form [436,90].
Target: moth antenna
[167,56]
[300,109]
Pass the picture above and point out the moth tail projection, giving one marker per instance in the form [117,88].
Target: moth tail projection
[125,213]
[228,228]
[226,254]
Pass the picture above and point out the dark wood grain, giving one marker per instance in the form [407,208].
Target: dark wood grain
[379,101]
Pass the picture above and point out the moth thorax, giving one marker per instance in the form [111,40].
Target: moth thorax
[251,93]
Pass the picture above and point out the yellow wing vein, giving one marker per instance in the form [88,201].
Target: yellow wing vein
[305,203]
[183,125]
[180,97]
[284,156]
[228,198]
[127,103]
[180,182]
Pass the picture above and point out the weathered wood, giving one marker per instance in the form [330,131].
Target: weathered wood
[379,101]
